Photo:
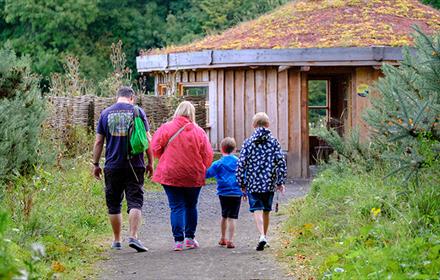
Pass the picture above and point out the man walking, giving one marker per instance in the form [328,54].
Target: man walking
[121,174]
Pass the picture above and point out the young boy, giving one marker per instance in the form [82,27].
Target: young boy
[228,190]
[261,171]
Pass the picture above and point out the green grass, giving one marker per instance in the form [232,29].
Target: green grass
[338,231]
[68,217]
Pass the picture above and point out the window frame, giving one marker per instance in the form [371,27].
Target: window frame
[327,96]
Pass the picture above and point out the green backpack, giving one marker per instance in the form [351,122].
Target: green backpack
[137,135]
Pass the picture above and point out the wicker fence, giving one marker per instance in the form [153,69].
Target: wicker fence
[85,110]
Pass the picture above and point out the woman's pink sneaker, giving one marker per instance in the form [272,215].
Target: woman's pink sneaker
[191,243]
[178,246]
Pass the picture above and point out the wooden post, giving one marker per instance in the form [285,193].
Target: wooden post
[305,170]
[249,101]
[294,122]
[221,104]
[213,108]
[239,127]
[283,109]
[272,100]
[229,103]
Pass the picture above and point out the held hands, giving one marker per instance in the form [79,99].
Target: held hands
[281,189]
[244,197]
[97,172]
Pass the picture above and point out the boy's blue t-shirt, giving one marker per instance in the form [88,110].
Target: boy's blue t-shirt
[114,123]
[224,172]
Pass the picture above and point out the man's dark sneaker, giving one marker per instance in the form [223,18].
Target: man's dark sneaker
[116,245]
[137,245]
[261,244]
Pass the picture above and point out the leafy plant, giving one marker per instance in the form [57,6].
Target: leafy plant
[22,114]
[407,111]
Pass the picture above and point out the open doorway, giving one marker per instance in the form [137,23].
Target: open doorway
[327,107]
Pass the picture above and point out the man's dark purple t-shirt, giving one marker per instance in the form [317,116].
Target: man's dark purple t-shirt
[114,123]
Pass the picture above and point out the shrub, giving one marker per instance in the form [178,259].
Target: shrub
[22,114]
[407,111]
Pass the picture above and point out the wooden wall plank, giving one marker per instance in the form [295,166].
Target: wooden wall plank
[205,76]
[249,102]
[283,109]
[294,117]
[199,76]
[239,126]
[229,104]
[304,127]
[221,104]
[260,90]
[185,76]
[272,100]
[192,76]
[213,108]
[156,84]
[364,75]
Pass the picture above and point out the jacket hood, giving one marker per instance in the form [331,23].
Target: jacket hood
[229,163]
[260,135]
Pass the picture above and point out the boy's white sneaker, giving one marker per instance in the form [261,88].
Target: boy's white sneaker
[261,243]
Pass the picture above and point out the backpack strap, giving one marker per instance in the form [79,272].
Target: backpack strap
[175,135]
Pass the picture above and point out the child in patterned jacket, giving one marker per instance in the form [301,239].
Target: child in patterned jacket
[228,190]
[261,171]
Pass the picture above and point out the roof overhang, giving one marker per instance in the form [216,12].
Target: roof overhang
[374,56]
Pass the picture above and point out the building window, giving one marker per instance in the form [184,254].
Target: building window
[198,92]
[318,103]
[162,89]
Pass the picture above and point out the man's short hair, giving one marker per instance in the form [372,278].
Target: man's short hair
[260,119]
[228,145]
[125,92]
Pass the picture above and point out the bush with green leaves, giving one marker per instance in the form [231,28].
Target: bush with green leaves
[406,114]
[22,112]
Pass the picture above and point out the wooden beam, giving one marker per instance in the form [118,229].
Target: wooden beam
[256,57]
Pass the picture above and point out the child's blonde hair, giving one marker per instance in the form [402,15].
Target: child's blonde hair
[260,119]
[186,109]
[228,145]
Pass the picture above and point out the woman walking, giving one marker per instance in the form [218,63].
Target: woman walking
[184,154]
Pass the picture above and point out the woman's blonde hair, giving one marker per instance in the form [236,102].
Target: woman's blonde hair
[186,109]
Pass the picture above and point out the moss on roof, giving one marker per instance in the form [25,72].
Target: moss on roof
[324,24]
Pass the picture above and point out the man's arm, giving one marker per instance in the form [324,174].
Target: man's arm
[97,151]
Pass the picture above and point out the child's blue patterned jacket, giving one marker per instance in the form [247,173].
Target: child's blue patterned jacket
[261,165]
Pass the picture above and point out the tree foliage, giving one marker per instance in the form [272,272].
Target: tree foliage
[434,3]
[22,111]
[407,112]
[51,30]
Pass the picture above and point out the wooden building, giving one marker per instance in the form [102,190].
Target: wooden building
[270,64]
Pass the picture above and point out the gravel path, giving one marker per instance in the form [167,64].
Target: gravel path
[208,262]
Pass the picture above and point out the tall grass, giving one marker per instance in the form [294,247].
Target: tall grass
[356,225]
[68,218]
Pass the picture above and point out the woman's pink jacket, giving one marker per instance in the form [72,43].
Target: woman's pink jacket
[184,161]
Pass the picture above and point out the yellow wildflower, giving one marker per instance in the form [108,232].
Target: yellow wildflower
[375,212]
[58,267]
